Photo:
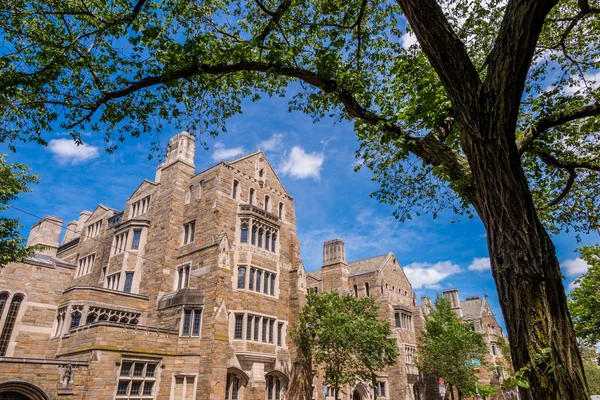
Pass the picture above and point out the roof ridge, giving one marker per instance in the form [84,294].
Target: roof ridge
[369,258]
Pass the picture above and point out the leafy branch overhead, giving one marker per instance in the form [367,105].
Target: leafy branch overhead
[124,68]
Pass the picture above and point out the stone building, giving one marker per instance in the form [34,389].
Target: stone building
[188,292]
[383,279]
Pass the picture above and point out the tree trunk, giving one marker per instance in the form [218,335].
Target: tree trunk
[525,268]
[452,392]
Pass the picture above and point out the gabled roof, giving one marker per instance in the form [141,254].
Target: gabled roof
[364,266]
[103,208]
[472,308]
[145,181]
[257,152]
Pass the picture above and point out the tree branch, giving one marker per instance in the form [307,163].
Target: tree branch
[428,148]
[274,21]
[567,188]
[448,56]
[551,160]
[549,122]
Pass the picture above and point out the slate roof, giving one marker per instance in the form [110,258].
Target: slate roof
[472,308]
[358,267]
[42,259]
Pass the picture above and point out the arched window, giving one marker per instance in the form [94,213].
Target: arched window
[267,240]
[355,291]
[91,318]
[234,190]
[244,233]
[9,323]
[267,200]
[232,387]
[3,300]
[280,211]
[75,320]
[254,230]
[367,288]
[251,196]
[260,237]
[275,387]
[273,242]
[241,277]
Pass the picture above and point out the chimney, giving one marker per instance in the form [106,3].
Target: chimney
[46,233]
[70,232]
[334,272]
[181,148]
[83,216]
[452,296]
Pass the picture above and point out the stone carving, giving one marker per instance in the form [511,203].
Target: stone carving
[224,249]
[66,378]
[97,314]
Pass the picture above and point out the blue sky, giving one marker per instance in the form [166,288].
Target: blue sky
[315,162]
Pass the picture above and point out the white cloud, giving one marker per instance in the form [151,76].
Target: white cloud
[272,143]
[408,39]
[575,267]
[480,264]
[573,285]
[300,164]
[66,151]
[223,153]
[427,275]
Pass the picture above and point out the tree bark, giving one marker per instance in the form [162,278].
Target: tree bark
[524,266]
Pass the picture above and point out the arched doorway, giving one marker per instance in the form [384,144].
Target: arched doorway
[360,392]
[21,391]
[356,395]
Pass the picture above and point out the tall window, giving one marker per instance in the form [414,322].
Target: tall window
[136,379]
[274,385]
[232,387]
[254,231]
[258,278]
[265,327]
[280,211]
[367,288]
[267,240]
[85,265]
[280,334]
[189,231]
[272,285]
[234,190]
[183,276]
[267,201]
[355,291]
[403,320]
[249,322]
[119,243]
[271,330]
[380,389]
[410,353]
[112,281]
[135,244]
[241,283]
[251,196]
[238,328]
[273,242]
[244,233]
[140,207]
[128,282]
[260,237]
[94,229]
[251,279]
[9,323]
[191,322]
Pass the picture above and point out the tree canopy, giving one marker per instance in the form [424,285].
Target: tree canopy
[584,301]
[14,179]
[450,349]
[344,336]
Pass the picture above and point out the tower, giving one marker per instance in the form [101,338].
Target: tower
[335,268]
[181,148]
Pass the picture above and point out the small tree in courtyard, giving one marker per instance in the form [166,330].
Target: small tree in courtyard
[13,180]
[344,336]
[449,348]
[584,302]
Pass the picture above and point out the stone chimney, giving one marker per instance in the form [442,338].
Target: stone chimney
[83,217]
[181,148]
[334,271]
[46,233]
[452,296]
[70,232]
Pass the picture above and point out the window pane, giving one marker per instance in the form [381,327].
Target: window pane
[264,329]
[239,323]
[150,370]
[136,388]
[272,285]
[251,280]
[148,388]
[75,320]
[273,243]
[256,328]
[235,189]
[125,368]
[135,244]
[196,326]
[138,369]
[187,319]
[397,316]
[249,327]
[258,278]
[122,388]
[260,237]
[267,241]
[279,333]
[128,281]
[266,284]
[241,277]
[235,389]
[244,234]
[271,331]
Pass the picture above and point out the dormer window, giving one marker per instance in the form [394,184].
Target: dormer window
[140,207]
[94,229]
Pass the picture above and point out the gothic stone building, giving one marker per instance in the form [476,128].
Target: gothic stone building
[187,293]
